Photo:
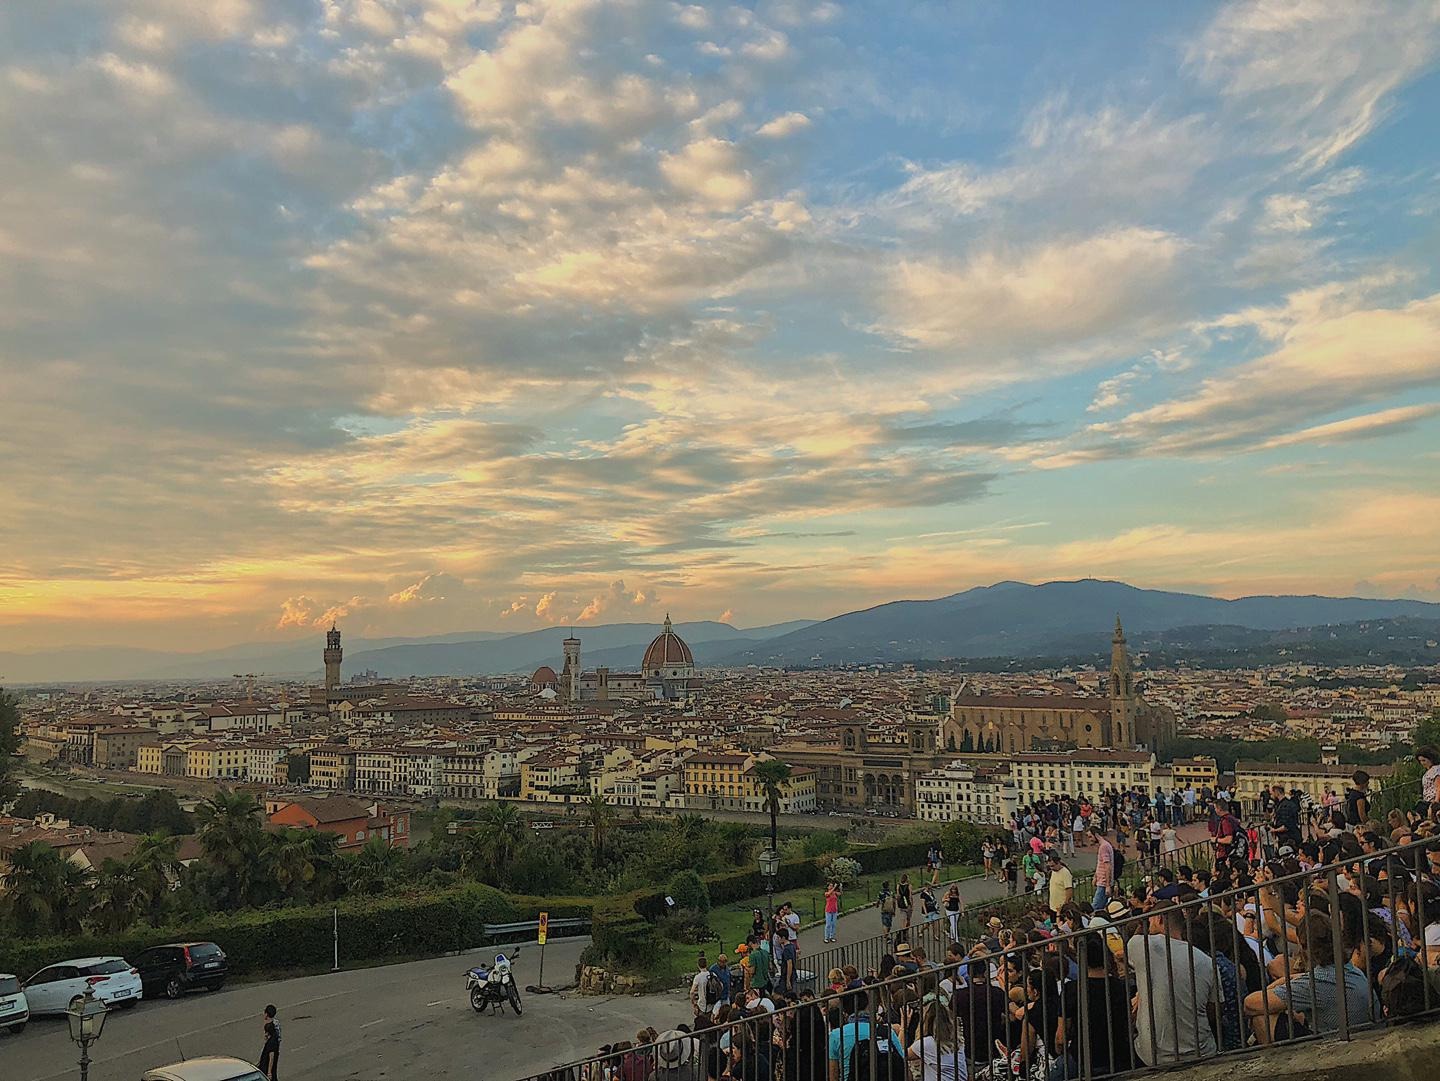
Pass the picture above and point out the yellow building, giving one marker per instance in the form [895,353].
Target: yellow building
[552,778]
[1312,778]
[149,758]
[216,761]
[333,767]
[1198,772]
[715,779]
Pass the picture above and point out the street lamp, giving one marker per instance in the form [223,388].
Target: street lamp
[769,867]
[87,1018]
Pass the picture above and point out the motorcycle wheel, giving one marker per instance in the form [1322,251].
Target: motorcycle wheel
[515,999]
[477,1000]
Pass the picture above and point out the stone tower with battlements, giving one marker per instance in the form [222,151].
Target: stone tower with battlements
[333,656]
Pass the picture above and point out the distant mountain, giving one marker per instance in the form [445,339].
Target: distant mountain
[618,645]
[1012,619]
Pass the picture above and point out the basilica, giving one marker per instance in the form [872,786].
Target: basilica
[1117,717]
[667,674]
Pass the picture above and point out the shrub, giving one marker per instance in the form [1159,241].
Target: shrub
[689,892]
[841,869]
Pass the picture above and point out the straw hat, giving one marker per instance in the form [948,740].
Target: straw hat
[674,1049]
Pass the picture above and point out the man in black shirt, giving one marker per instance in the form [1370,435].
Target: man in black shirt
[1285,819]
[1103,1030]
[980,1007]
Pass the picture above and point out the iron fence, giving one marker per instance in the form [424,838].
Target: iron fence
[1275,954]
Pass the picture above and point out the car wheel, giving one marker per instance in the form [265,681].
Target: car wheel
[17,1028]
[174,988]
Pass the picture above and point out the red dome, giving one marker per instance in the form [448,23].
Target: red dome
[545,677]
[667,650]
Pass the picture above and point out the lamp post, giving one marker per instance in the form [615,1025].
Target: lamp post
[769,867]
[87,1018]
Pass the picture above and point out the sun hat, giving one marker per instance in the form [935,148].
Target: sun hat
[1116,908]
[902,950]
[674,1049]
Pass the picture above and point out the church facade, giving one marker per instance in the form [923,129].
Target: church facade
[1010,724]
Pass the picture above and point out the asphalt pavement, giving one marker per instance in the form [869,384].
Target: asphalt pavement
[405,1021]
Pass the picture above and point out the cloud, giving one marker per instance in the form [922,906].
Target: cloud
[711,170]
[1366,426]
[783,126]
[1057,297]
[1318,74]
[435,588]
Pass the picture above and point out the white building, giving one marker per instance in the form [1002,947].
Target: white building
[1040,775]
[960,792]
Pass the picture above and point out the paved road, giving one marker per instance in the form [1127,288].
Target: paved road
[400,1021]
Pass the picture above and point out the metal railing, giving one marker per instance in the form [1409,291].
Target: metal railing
[1275,954]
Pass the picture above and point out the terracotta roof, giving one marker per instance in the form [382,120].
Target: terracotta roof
[1034,701]
[667,649]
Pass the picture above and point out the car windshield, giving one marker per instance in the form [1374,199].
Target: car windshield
[9,985]
[106,968]
[206,951]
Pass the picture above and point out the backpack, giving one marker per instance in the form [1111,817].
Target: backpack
[712,987]
[888,1063]
[1119,867]
[887,905]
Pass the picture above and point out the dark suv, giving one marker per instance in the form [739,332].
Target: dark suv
[183,966]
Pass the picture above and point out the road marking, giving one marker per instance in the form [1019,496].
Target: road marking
[377,1020]
[437,1002]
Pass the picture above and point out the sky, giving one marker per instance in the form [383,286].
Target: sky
[432,315]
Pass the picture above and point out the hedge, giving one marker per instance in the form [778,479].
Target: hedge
[277,940]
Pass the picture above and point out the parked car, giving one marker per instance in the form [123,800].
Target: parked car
[205,1069]
[14,1009]
[173,969]
[112,979]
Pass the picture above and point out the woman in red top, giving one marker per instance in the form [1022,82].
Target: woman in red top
[832,909]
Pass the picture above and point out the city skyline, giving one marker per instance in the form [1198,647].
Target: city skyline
[440,316]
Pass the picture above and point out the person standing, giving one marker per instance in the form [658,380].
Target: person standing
[1429,758]
[904,900]
[1062,884]
[832,910]
[270,1053]
[1104,868]
[953,907]
[888,905]
[701,1001]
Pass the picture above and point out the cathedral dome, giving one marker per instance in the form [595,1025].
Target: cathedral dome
[544,677]
[668,650]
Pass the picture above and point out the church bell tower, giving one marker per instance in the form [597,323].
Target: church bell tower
[333,656]
[1122,692]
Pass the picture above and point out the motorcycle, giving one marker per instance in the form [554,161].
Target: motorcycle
[490,988]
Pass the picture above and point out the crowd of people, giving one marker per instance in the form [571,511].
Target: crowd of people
[1294,929]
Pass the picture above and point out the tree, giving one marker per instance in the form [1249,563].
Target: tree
[9,744]
[155,865]
[771,774]
[231,836]
[118,901]
[287,864]
[376,866]
[498,837]
[598,816]
[43,892]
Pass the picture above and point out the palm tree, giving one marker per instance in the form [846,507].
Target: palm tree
[323,851]
[31,888]
[230,834]
[374,867]
[599,815]
[119,899]
[287,864]
[155,865]
[500,835]
[772,773]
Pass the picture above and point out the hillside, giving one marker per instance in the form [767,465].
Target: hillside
[1013,619]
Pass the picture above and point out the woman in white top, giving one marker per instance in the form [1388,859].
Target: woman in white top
[1429,757]
[940,1049]
[1169,839]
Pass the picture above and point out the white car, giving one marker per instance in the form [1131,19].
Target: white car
[14,1009]
[113,980]
[205,1069]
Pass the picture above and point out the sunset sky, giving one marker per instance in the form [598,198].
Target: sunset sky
[442,314]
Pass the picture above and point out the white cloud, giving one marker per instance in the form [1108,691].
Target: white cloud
[783,126]
[711,170]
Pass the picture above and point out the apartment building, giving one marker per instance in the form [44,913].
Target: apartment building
[333,767]
[216,761]
[1040,775]
[961,792]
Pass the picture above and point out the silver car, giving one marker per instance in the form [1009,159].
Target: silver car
[205,1069]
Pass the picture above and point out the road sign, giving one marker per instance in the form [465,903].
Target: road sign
[543,929]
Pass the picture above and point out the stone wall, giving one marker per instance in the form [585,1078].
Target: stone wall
[591,980]
[1407,1053]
